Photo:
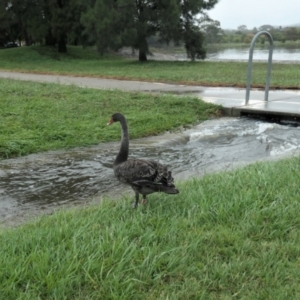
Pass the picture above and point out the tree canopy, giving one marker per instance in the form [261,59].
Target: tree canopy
[110,24]
[53,22]
[131,22]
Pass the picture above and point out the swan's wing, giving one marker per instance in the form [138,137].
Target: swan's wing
[135,170]
[143,172]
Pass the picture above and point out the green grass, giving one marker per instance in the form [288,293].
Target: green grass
[86,62]
[226,236]
[37,117]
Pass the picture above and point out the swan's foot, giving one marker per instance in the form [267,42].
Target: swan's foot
[144,201]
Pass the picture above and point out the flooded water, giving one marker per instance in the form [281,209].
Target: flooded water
[283,54]
[40,182]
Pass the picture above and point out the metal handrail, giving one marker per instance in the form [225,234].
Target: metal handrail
[250,65]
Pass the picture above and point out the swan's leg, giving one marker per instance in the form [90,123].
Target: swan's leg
[144,200]
[136,203]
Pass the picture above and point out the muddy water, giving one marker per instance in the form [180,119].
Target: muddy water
[40,183]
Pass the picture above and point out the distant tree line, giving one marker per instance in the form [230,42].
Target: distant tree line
[108,24]
[215,34]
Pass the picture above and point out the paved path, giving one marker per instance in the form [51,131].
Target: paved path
[281,103]
[102,83]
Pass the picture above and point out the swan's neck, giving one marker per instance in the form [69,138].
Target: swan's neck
[124,149]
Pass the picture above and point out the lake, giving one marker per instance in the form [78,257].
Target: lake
[284,54]
[281,53]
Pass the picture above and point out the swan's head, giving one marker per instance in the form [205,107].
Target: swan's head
[116,117]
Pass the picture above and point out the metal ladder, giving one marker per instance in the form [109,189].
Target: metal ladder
[250,65]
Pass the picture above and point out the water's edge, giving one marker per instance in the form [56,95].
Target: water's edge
[42,183]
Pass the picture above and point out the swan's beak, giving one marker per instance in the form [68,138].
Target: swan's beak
[110,121]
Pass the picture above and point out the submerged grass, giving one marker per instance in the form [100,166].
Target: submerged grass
[86,62]
[36,117]
[226,236]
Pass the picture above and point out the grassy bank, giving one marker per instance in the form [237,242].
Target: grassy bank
[226,236]
[86,62]
[36,117]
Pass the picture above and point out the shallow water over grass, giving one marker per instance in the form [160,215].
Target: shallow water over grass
[38,183]
[280,53]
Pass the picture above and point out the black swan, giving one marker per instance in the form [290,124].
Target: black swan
[144,176]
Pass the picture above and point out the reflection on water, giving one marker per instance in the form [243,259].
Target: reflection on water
[279,53]
[52,178]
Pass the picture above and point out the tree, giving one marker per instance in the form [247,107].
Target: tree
[266,27]
[4,23]
[63,19]
[53,22]
[292,33]
[12,19]
[213,32]
[242,28]
[112,24]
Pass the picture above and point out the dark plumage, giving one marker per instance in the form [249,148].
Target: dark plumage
[144,176]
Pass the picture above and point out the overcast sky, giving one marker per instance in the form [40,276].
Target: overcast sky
[254,13]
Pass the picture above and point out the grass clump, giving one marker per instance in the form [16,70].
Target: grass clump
[37,117]
[86,62]
[225,236]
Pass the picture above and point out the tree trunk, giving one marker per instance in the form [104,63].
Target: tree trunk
[143,49]
[142,55]
[49,38]
[62,47]
[60,24]
[28,41]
